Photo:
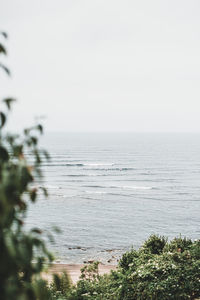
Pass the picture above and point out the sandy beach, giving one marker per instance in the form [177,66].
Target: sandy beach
[74,270]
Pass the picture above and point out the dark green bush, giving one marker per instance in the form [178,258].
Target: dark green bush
[179,244]
[155,244]
[22,253]
[172,271]
[158,271]
[94,286]
[129,258]
[60,286]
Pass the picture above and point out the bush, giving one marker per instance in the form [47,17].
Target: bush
[60,286]
[158,270]
[168,271]
[155,244]
[22,253]
[93,286]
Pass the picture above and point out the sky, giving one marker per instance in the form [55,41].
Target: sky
[103,65]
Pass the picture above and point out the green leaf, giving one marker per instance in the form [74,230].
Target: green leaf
[45,192]
[36,230]
[8,102]
[2,119]
[34,140]
[33,195]
[2,49]
[46,154]
[40,128]
[18,150]
[5,69]
[26,131]
[5,35]
[4,156]
[37,157]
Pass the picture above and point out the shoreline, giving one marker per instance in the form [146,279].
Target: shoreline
[74,270]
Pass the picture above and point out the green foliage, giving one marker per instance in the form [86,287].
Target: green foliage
[22,254]
[155,244]
[129,258]
[60,286]
[179,244]
[92,285]
[162,270]
[158,270]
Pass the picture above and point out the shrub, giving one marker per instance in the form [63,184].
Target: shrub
[179,244]
[60,286]
[94,286]
[129,258]
[158,270]
[22,253]
[155,244]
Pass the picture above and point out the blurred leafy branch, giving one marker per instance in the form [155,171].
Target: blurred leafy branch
[22,253]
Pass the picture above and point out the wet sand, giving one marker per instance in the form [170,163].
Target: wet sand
[74,270]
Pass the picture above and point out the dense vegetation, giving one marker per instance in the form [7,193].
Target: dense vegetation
[158,270]
[22,253]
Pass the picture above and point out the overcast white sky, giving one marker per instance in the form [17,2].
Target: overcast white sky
[104,65]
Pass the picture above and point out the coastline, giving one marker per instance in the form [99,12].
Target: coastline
[74,270]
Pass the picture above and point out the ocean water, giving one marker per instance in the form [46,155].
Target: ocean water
[110,191]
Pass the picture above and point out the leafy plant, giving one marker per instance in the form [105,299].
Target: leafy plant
[158,270]
[22,254]
[60,286]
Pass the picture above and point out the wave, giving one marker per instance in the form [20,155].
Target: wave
[138,187]
[96,192]
[101,175]
[121,187]
[76,175]
[62,164]
[46,186]
[74,180]
[98,164]
[74,165]
[88,164]
[84,175]
[49,186]
[95,186]
[102,193]
[110,169]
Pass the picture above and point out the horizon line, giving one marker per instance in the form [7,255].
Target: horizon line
[136,132]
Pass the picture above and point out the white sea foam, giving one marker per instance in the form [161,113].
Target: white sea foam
[98,164]
[120,187]
[96,192]
[49,186]
[137,187]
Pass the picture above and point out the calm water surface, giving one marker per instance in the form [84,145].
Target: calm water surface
[109,192]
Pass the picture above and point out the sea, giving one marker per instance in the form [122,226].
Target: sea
[108,192]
